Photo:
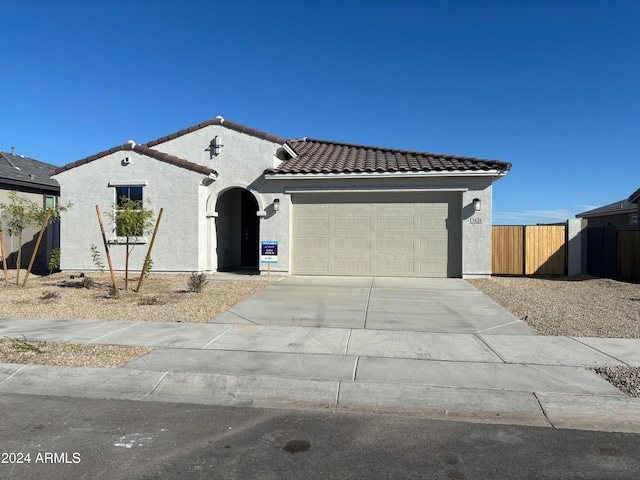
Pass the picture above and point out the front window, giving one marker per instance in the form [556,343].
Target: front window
[128,197]
[50,202]
[128,194]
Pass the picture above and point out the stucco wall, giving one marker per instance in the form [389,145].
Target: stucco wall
[240,164]
[172,188]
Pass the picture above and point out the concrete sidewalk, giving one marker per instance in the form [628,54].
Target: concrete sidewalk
[507,378]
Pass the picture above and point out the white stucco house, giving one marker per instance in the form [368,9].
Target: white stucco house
[228,192]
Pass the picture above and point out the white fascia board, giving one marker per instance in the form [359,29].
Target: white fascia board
[290,150]
[376,190]
[316,176]
[128,183]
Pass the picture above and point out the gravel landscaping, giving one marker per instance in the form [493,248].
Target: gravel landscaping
[580,306]
[162,298]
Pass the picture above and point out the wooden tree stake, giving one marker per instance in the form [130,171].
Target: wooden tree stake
[35,249]
[146,260]
[106,248]
[4,258]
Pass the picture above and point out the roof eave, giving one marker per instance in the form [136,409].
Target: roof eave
[361,175]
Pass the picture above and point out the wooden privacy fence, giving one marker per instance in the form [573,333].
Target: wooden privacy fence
[529,250]
[628,255]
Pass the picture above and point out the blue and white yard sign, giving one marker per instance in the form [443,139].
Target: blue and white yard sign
[269,252]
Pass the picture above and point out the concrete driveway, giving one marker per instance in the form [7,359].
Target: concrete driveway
[437,348]
[443,305]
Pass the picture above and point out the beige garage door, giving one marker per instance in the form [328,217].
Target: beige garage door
[387,234]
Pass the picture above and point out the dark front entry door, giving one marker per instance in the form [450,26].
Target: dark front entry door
[249,233]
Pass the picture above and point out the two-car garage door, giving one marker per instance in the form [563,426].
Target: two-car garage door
[387,234]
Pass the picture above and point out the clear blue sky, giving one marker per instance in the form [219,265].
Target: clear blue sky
[551,86]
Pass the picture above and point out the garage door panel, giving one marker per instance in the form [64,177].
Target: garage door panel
[394,244]
[310,243]
[309,223]
[386,224]
[395,267]
[395,234]
[433,268]
[352,266]
[351,224]
[355,244]
[312,265]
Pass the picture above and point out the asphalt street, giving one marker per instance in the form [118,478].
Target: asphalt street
[75,438]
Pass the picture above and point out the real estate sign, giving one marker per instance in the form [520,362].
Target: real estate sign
[269,252]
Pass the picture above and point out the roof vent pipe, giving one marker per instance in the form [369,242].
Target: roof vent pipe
[13,150]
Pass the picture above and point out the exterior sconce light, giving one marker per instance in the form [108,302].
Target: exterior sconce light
[214,147]
[276,205]
[477,205]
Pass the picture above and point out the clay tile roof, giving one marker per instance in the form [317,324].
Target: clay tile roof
[144,150]
[225,123]
[321,156]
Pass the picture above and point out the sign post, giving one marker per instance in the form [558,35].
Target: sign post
[269,254]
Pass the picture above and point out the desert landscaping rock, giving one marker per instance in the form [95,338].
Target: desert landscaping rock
[18,350]
[162,298]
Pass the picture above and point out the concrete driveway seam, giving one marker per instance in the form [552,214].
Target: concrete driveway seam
[113,333]
[223,333]
[479,337]
[366,308]
[484,330]
[600,351]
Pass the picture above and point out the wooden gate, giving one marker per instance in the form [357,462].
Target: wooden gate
[628,255]
[529,250]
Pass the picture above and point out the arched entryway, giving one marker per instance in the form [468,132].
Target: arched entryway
[237,230]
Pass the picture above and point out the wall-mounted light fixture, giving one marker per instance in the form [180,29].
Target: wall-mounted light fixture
[276,205]
[126,161]
[214,147]
[477,205]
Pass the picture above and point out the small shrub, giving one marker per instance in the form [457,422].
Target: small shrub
[87,282]
[46,296]
[147,270]
[197,282]
[54,261]
[113,291]
[153,300]
[97,259]
[23,345]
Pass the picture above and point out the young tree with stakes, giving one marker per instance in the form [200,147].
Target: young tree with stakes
[20,213]
[131,220]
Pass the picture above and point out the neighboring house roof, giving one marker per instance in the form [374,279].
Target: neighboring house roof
[321,156]
[19,170]
[615,208]
[144,150]
[634,197]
